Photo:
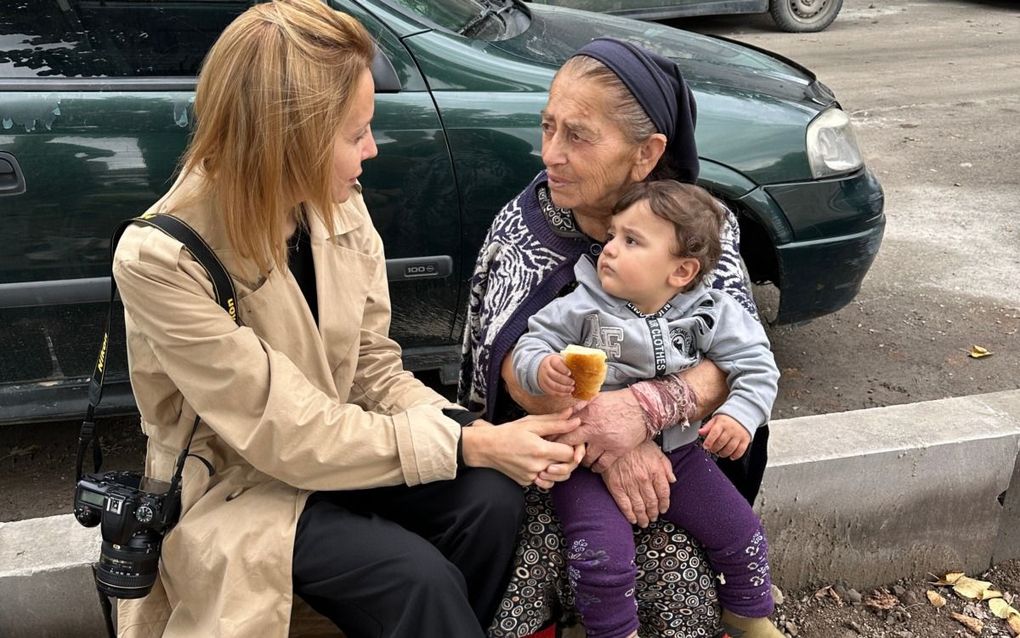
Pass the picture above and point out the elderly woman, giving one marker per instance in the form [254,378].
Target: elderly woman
[617,114]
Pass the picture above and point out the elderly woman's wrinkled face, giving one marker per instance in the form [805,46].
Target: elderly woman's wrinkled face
[588,157]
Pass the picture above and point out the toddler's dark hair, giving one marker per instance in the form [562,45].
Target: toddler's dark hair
[697,218]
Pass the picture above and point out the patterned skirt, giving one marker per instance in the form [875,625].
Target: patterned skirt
[675,586]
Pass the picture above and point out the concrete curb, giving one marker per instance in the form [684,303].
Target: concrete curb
[870,496]
[46,586]
[863,497]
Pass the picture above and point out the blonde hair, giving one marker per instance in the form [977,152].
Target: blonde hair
[272,95]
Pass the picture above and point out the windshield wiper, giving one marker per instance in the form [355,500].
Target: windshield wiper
[493,9]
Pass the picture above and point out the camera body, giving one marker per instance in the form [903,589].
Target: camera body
[126,504]
[134,513]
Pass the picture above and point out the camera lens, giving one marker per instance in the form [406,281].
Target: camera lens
[128,571]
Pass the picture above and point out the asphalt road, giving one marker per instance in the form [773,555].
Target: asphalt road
[933,88]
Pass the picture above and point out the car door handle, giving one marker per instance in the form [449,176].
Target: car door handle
[12,180]
[434,267]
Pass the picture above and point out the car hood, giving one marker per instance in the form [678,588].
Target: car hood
[769,100]
[729,79]
[556,32]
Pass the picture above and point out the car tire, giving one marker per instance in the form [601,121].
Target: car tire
[804,16]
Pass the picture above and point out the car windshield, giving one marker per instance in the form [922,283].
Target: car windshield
[484,19]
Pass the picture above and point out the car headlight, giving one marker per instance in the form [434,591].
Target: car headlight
[831,144]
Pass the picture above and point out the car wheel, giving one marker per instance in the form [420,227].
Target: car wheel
[803,16]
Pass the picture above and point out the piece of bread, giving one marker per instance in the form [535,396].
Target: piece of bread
[588,368]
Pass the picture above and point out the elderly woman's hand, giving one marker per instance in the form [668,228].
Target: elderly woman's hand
[520,450]
[612,424]
[639,483]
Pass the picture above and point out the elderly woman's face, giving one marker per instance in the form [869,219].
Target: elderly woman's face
[588,157]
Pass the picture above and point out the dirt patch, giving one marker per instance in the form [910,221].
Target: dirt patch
[895,344]
[37,463]
[899,610]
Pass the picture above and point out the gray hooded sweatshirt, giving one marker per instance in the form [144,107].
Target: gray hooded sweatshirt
[700,323]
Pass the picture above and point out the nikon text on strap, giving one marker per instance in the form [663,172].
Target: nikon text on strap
[223,291]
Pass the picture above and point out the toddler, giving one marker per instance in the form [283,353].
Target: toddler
[644,304]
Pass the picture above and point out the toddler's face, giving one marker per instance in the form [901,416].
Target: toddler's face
[639,263]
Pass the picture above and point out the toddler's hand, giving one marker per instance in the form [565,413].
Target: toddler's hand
[554,376]
[725,437]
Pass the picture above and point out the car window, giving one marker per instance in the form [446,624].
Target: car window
[95,38]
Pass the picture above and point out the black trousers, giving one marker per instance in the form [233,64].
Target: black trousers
[427,561]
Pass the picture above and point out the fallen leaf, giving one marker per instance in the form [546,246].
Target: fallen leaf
[991,594]
[937,600]
[949,578]
[836,597]
[972,624]
[1013,622]
[977,352]
[1001,608]
[829,592]
[881,599]
[971,588]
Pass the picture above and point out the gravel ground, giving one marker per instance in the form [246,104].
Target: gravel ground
[899,610]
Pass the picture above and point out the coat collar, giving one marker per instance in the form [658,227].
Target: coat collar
[190,200]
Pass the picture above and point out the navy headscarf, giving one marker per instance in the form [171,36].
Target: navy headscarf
[659,87]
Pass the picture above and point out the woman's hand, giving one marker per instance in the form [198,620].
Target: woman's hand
[559,471]
[612,424]
[639,483]
[519,449]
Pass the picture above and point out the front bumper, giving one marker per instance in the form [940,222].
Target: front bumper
[820,277]
[830,233]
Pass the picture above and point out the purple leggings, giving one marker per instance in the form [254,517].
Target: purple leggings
[600,543]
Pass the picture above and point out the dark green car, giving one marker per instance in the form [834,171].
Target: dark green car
[95,109]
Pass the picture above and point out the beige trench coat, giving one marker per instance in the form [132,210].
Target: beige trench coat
[287,407]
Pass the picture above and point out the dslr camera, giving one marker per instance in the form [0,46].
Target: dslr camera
[134,512]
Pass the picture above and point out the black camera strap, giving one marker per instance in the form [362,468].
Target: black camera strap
[223,290]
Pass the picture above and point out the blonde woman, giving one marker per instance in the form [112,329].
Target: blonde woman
[320,468]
